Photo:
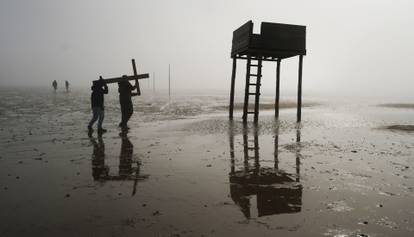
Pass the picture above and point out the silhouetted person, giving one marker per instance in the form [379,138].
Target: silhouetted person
[54,84]
[67,86]
[99,88]
[125,92]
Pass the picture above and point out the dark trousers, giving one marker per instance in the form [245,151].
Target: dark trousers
[126,110]
[97,114]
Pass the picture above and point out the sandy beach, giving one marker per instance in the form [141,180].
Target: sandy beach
[184,169]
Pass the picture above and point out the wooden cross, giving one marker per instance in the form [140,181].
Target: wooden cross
[135,77]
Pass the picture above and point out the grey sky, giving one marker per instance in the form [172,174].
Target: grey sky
[353,46]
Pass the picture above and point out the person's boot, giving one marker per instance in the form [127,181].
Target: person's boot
[102,130]
[90,132]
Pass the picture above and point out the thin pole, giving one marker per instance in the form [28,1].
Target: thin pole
[277,88]
[233,78]
[169,82]
[153,82]
[299,112]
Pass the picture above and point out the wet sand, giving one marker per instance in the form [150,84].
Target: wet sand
[186,171]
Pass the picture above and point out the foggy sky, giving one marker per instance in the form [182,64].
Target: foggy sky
[354,46]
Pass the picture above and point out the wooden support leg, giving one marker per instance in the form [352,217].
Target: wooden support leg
[246,91]
[233,78]
[276,152]
[246,148]
[299,112]
[231,142]
[277,88]
[298,156]
[256,151]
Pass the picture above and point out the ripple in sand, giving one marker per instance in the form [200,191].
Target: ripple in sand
[339,206]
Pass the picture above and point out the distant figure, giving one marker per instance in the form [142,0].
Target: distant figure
[54,84]
[125,92]
[67,86]
[99,88]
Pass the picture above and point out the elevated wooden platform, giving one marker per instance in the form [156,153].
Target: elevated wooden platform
[275,41]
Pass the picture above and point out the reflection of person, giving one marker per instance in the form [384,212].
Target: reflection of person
[99,170]
[54,84]
[99,88]
[125,92]
[67,86]
[125,157]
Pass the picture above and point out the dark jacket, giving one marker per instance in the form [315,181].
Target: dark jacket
[97,97]
[125,89]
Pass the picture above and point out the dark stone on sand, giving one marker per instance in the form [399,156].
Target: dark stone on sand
[407,128]
[67,195]
[365,222]
[17,177]
[208,165]
[156,213]
[144,205]
[354,151]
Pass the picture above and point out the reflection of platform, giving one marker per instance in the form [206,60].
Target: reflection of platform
[276,191]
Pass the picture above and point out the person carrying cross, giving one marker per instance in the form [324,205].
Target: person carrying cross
[125,92]
[99,88]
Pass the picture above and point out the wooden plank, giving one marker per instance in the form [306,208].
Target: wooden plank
[241,37]
[134,68]
[283,36]
[267,60]
[128,78]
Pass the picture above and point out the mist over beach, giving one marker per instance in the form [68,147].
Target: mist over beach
[330,154]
